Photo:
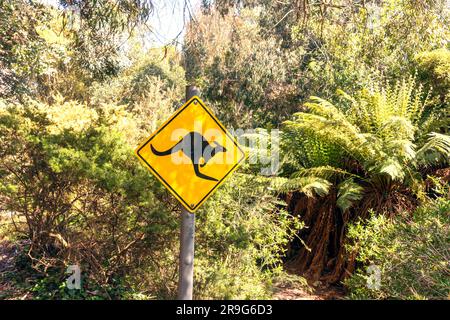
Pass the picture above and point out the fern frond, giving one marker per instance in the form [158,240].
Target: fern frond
[399,127]
[375,106]
[338,132]
[349,192]
[435,150]
[392,168]
[402,149]
[276,183]
[325,172]
[310,186]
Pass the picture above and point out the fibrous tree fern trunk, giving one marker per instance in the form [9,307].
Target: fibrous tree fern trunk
[322,256]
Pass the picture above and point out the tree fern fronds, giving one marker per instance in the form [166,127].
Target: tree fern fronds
[379,134]
[403,99]
[417,106]
[301,117]
[392,168]
[323,107]
[353,144]
[310,186]
[324,113]
[309,150]
[405,95]
[402,149]
[336,124]
[276,183]
[428,123]
[438,146]
[399,127]
[346,96]
[349,192]
[325,172]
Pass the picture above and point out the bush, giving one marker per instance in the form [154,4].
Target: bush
[411,251]
[434,69]
[150,88]
[242,234]
[67,177]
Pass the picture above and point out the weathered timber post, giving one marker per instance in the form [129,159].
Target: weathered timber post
[187,237]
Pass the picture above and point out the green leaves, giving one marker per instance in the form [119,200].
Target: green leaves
[66,172]
[392,168]
[242,235]
[310,186]
[411,250]
[349,193]
[435,150]
[326,172]
[434,70]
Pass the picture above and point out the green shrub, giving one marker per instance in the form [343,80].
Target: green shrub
[411,252]
[434,69]
[242,234]
[69,176]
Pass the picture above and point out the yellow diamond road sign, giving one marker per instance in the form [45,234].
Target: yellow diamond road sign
[191,153]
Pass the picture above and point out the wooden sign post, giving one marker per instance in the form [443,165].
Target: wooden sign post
[187,236]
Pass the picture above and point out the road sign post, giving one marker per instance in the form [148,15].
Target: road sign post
[187,236]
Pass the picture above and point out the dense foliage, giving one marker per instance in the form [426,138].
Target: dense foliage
[258,60]
[70,182]
[410,251]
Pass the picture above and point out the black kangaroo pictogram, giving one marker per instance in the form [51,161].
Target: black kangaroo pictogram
[195,146]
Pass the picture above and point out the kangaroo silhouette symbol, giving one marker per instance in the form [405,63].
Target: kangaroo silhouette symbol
[195,146]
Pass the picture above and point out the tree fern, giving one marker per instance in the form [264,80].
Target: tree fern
[383,138]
